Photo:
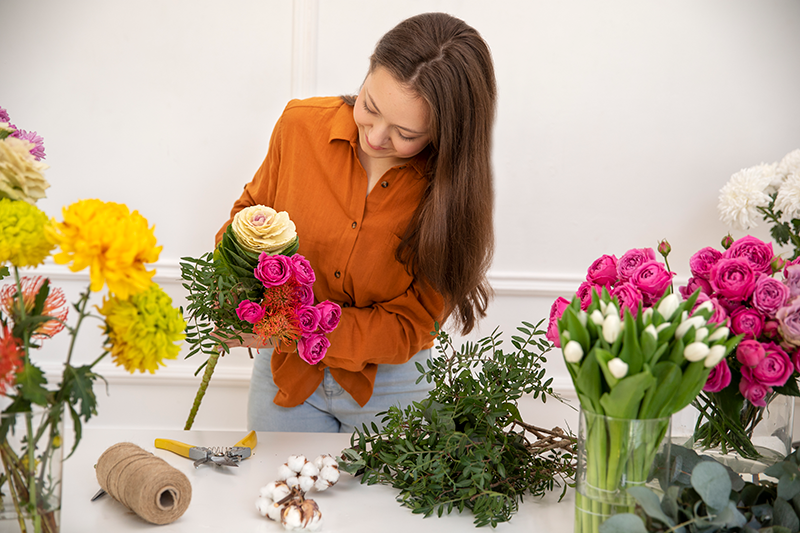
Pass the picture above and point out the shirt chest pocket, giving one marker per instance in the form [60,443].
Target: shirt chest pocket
[377,275]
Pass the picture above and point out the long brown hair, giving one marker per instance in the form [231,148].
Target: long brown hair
[450,241]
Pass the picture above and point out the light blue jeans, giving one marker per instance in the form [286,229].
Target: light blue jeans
[331,409]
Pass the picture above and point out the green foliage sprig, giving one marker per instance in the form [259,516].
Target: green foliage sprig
[465,446]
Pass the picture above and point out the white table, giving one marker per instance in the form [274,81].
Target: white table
[223,499]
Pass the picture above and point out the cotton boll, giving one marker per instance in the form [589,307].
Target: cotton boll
[296,462]
[263,505]
[284,472]
[311,515]
[330,474]
[309,469]
[274,512]
[293,481]
[306,483]
[281,491]
[325,460]
[292,516]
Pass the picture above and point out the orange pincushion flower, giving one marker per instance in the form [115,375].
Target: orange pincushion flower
[10,358]
[281,326]
[280,299]
[55,305]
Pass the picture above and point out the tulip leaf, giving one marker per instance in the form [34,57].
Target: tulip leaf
[658,398]
[577,331]
[588,381]
[694,379]
[648,345]
[631,353]
[603,357]
[623,400]
[676,354]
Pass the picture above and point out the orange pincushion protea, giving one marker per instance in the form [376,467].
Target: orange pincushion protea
[281,326]
[10,358]
[55,305]
[281,299]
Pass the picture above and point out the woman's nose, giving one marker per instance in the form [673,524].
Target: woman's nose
[378,135]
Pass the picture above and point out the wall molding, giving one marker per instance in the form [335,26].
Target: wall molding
[305,21]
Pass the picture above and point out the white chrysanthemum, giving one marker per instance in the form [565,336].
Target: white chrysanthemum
[790,164]
[788,199]
[775,178]
[741,197]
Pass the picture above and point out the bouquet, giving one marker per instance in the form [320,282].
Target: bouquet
[254,282]
[741,285]
[636,354]
[142,328]
[770,191]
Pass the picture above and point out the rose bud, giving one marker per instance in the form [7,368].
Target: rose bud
[664,248]
[727,240]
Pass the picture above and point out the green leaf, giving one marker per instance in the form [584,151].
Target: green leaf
[785,516]
[623,400]
[623,523]
[30,381]
[712,483]
[657,400]
[650,504]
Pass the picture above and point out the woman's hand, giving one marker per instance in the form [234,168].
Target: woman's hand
[249,340]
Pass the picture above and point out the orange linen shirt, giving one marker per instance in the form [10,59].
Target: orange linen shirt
[312,171]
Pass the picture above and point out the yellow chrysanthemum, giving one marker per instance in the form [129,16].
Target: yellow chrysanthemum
[21,175]
[143,330]
[23,241]
[113,242]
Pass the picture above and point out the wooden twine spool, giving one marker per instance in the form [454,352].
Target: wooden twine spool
[144,483]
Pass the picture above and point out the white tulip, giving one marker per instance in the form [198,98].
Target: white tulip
[603,306]
[707,306]
[618,368]
[651,330]
[715,355]
[696,351]
[663,326]
[721,333]
[696,321]
[701,334]
[582,317]
[668,306]
[597,317]
[611,309]
[647,315]
[612,325]
[573,352]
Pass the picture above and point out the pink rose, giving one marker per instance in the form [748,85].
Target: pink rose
[792,280]
[603,271]
[312,348]
[796,360]
[273,270]
[305,294]
[329,315]
[776,367]
[652,279]
[733,279]
[303,272]
[628,296]
[747,322]
[789,322]
[754,251]
[750,352]
[718,378]
[309,317]
[719,314]
[753,391]
[249,311]
[701,262]
[631,260]
[769,295]
[692,285]
[771,330]
[556,310]
[586,293]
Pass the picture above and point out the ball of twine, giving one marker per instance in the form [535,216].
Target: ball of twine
[144,483]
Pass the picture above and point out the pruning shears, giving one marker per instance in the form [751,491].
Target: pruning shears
[220,456]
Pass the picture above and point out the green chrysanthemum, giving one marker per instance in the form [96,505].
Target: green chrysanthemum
[23,241]
[143,330]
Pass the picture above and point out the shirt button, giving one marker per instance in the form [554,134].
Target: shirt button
[384,184]
[337,274]
[354,225]
[345,304]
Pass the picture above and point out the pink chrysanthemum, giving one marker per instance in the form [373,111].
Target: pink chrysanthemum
[32,137]
[4,115]
[55,305]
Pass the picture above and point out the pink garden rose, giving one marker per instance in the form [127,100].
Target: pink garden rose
[755,251]
[752,390]
[776,367]
[273,270]
[629,298]
[750,352]
[792,280]
[652,279]
[631,260]
[748,322]
[796,360]
[308,316]
[701,262]
[586,292]
[789,322]
[718,378]
[556,310]
[733,279]
[303,272]
[312,348]
[603,271]
[771,329]
[329,315]
[692,285]
[249,311]
[305,294]
[719,314]
[769,295]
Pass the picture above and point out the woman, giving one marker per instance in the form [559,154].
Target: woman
[391,193]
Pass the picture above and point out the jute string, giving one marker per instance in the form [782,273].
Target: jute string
[144,483]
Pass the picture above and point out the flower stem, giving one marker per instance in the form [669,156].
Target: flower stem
[210,365]
[81,306]
[14,496]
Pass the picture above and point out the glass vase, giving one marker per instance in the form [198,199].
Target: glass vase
[30,480]
[748,443]
[615,454]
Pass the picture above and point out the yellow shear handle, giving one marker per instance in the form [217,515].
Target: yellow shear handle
[250,440]
[173,446]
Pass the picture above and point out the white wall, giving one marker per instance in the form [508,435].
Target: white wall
[618,123]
